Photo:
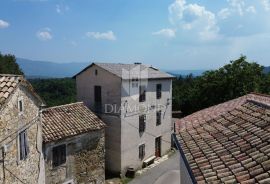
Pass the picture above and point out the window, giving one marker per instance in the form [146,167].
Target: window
[141,151]
[20,104]
[142,91]
[134,82]
[142,123]
[59,155]
[96,72]
[158,90]
[23,143]
[158,118]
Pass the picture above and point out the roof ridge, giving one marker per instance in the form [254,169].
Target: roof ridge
[58,106]
[260,94]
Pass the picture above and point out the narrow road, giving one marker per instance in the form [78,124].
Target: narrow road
[165,171]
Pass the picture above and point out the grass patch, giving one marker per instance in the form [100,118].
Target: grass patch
[126,180]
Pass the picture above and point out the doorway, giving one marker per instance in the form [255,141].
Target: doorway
[98,99]
[158,147]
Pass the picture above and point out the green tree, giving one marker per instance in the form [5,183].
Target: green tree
[55,91]
[8,65]
[233,80]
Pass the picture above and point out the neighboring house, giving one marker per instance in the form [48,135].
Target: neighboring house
[73,145]
[227,143]
[135,101]
[21,159]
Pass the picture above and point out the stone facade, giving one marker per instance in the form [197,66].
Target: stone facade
[12,122]
[84,159]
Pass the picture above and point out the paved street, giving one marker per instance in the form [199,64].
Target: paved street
[165,171]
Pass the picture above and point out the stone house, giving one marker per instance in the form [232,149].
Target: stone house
[226,143]
[21,158]
[73,145]
[135,101]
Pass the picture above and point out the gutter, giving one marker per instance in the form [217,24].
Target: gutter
[182,154]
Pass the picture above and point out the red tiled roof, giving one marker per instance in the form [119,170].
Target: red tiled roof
[68,120]
[7,85]
[230,142]
[214,111]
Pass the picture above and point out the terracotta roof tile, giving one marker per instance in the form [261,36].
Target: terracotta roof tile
[68,120]
[229,143]
[7,85]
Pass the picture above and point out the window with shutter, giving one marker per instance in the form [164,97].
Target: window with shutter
[142,123]
[158,90]
[158,118]
[142,90]
[141,151]
[24,147]
[59,155]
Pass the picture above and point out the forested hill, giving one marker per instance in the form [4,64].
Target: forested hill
[46,69]
[267,69]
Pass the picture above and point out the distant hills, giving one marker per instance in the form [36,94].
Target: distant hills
[267,69]
[47,69]
[186,72]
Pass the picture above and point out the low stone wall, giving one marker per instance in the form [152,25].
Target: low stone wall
[85,159]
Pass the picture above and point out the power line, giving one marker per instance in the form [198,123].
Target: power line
[15,176]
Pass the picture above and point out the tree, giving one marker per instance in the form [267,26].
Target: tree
[55,91]
[233,80]
[8,65]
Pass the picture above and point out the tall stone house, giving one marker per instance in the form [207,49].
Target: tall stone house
[135,102]
[21,159]
[73,145]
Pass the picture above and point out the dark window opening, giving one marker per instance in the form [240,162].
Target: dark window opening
[142,123]
[142,93]
[159,90]
[141,151]
[20,105]
[24,148]
[98,99]
[158,118]
[134,82]
[59,155]
[96,72]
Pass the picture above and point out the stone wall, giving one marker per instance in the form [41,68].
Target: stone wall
[85,161]
[12,122]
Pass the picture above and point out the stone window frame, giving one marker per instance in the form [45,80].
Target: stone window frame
[52,158]
[20,105]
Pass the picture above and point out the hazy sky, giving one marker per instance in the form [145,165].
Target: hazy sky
[170,34]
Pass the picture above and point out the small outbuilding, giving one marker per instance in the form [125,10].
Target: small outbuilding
[73,145]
